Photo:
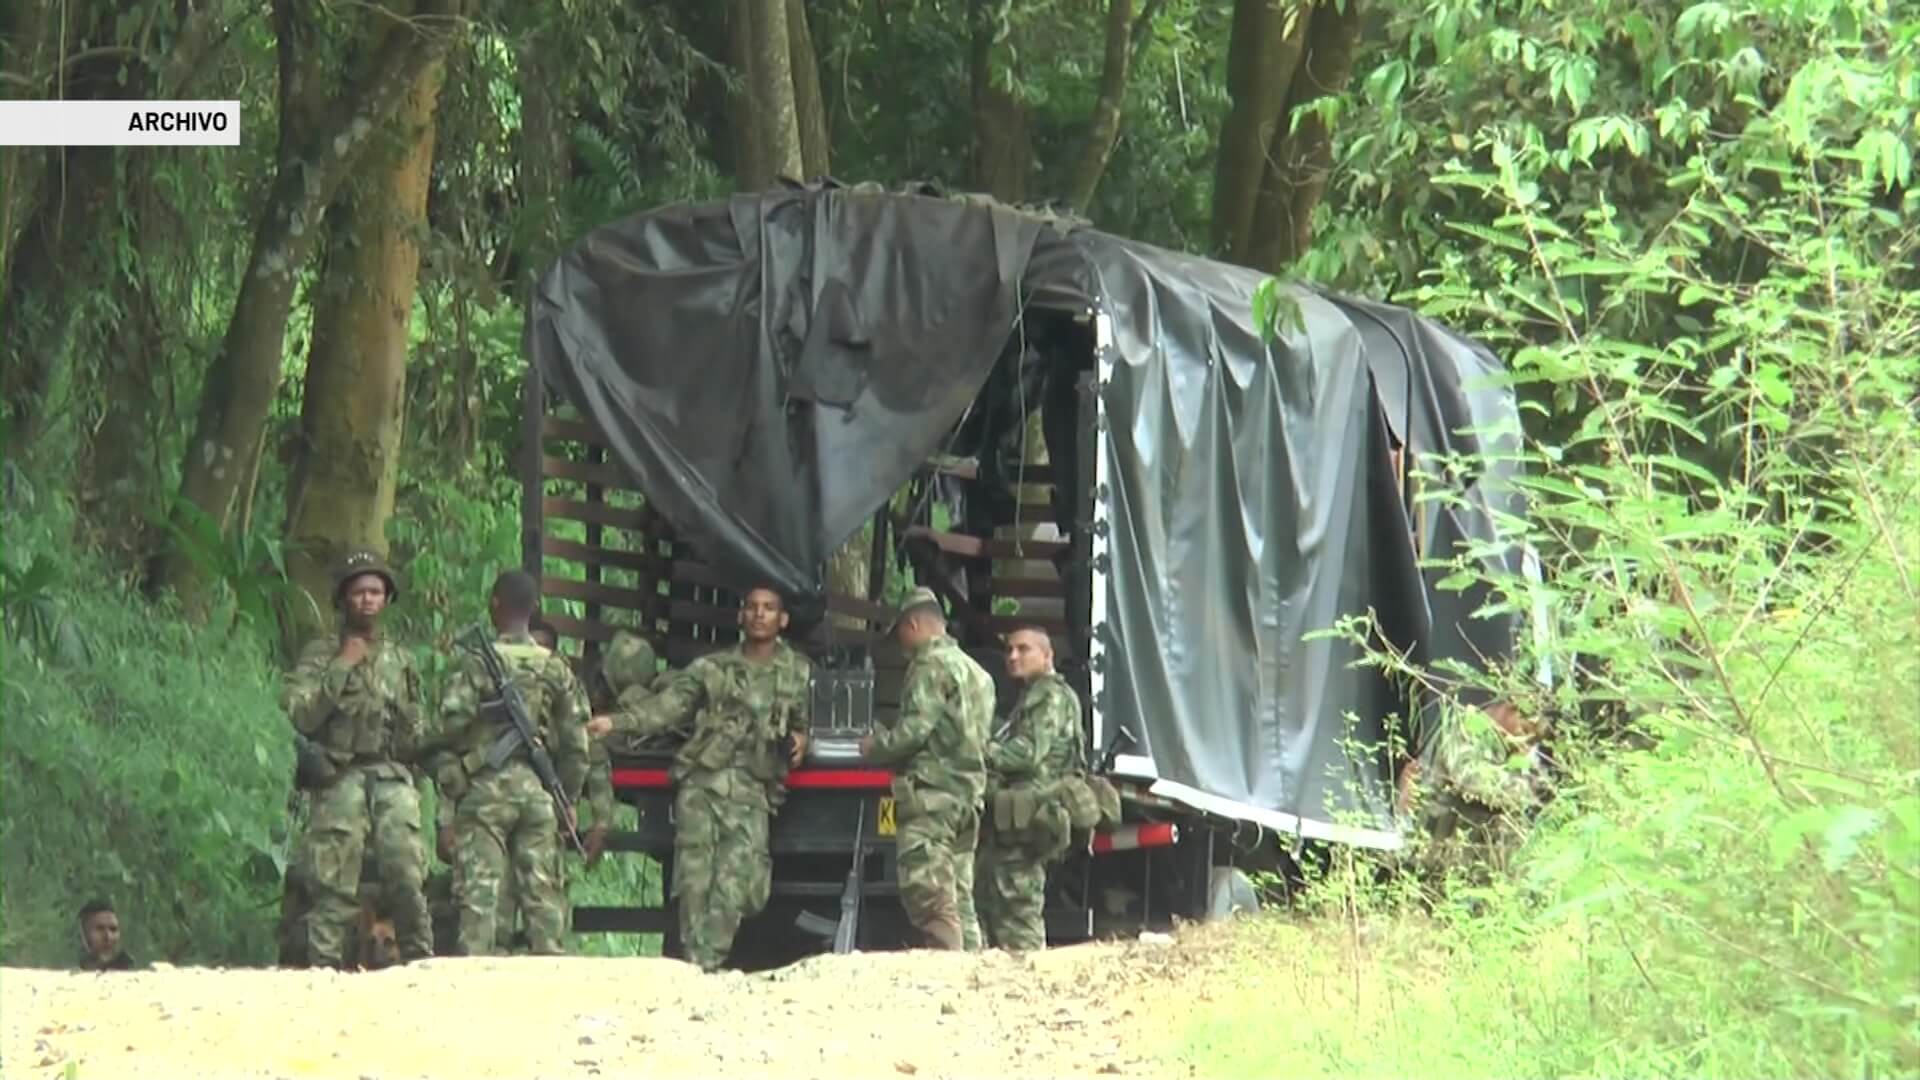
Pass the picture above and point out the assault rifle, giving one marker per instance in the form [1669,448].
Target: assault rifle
[848,927]
[522,733]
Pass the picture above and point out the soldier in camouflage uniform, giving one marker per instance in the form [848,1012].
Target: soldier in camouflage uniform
[744,703]
[354,697]
[1027,828]
[937,748]
[1474,788]
[504,821]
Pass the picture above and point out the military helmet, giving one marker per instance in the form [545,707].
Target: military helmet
[360,561]
[629,662]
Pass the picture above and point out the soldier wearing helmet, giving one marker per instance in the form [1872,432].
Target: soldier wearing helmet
[627,666]
[354,698]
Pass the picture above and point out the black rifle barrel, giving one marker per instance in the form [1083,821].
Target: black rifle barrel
[508,699]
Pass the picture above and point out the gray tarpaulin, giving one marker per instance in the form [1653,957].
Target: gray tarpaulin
[772,367]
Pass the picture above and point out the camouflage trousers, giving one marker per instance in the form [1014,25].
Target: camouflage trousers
[366,806]
[504,829]
[1012,873]
[722,870]
[509,933]
[938,834]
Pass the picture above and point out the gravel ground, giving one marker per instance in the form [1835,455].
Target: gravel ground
[1088,1010]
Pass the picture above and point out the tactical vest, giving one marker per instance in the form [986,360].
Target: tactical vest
[528,665]
[362,726]
[741,722]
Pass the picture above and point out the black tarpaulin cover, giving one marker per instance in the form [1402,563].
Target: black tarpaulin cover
[772,367]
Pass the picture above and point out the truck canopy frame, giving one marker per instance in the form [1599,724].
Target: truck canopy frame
[772,368]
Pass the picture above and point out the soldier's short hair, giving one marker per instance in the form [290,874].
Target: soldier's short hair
[766,587]
[1046,635]
[94,907]
[517,593]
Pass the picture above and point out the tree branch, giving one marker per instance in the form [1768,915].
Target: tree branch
[1103,130]
[1143,25]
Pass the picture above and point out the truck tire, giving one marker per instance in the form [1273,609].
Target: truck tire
[1230,894]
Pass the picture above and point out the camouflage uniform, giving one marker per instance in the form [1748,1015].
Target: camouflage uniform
[729,779]
[937,746]
[366,719]
[504,821]
[1028,828]
[1476,787]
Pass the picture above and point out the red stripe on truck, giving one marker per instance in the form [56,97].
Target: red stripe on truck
[1129,837]
[800,779]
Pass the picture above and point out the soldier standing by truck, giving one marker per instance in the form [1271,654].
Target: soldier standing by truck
[937,747]
[749,711]
[505,820]
[1473,790]
[354,697]
[1027,827]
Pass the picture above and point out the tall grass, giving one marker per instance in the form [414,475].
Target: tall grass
[141,761]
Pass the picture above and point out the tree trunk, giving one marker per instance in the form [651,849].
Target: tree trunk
[810,104]
[1298,162]
[1269,37]
[1002,144]
[1104,127]
[748,167]
[316,157]
[61,208]
[768,74]
[353,406]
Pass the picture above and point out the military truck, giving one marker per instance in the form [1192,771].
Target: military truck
[1046,424]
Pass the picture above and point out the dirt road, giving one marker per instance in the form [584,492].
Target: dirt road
[1082,1011]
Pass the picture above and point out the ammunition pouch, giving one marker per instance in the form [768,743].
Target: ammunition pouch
[1077,798]
[1014,809]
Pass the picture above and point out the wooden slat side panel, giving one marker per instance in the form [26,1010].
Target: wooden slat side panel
[647,603]
[600,514]
[1001,624]
[560,428]
[602,556]
[587,629]
[682,650]
[605,474]
[974,547]
[861,609]
[1017,588]
[699,614]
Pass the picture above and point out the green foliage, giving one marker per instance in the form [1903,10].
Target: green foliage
[1705,288]
[148,767]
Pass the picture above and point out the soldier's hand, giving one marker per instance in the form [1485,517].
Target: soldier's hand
[799,752]
[443,844]
[866,745]
[596,841]
[573,818]
[599,726]
[352,650]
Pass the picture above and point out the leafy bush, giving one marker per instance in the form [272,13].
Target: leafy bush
[1705,287]
[148,763]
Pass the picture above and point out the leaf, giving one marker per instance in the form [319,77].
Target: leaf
[1841,839]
